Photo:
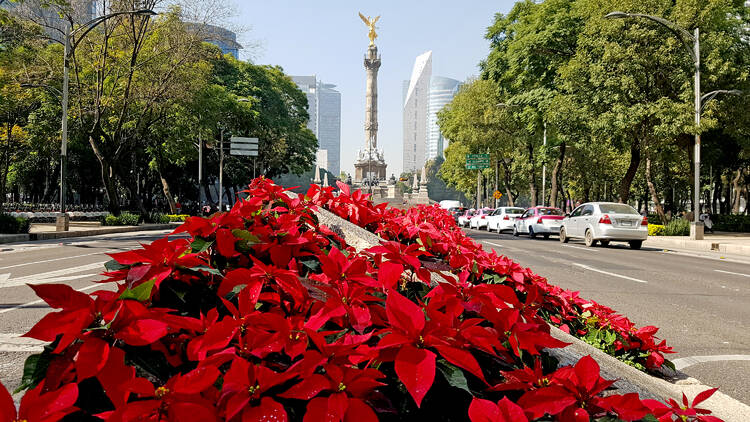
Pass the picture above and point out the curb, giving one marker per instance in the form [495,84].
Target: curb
[698,245]
[629,379]
[83,233]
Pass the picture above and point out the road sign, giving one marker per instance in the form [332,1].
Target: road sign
[497,194]
[477,161]
[244,146]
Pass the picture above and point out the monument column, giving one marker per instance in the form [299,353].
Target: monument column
[370,167]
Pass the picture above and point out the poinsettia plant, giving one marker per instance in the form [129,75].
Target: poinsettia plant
[263,313]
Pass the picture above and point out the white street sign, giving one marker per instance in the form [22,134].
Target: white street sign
[244,152]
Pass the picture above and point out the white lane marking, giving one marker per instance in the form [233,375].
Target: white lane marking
[36,302]
[586,267]
[11,342]
[57,259]
[682,363]
[500,246]
[53,276]
[581,248]
[729,272]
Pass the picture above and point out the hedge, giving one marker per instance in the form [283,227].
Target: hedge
[13,225]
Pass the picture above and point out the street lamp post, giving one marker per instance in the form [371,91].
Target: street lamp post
[70,46]
[696,227]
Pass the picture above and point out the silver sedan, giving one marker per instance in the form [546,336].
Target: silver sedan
[603,222]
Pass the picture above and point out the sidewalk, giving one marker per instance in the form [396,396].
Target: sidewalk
[724,242]
[47,231]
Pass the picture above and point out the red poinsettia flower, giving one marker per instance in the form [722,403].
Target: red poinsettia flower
[347,388]
[686,411]
[243,392]
[177,400]
[156,261]
[481,410]
[39,406]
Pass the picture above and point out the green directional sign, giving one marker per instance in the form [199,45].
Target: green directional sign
[477,161]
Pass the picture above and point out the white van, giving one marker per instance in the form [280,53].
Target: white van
[448,204]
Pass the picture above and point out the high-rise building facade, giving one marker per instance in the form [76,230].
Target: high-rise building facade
[416,102]
[324,108]
[442,91]
[48,17]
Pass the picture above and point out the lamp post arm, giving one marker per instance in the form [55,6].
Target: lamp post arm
[93,23]
[688,40]
[712,95]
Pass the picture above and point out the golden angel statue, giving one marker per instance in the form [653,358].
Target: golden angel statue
[370,24]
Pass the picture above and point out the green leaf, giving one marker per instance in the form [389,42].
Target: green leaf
[454,375]
[246,236]
[200,245]
[113,265]
[141,293]
[34,370]
[213,271]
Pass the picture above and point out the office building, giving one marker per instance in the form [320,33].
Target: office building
[442,91]
[324,108]
[416,103]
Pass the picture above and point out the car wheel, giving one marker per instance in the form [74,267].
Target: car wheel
[635,244]
[563,237]
[531,233]
[515,231]
[589,239]
[604,243]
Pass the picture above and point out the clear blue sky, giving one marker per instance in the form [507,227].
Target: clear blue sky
[327,38]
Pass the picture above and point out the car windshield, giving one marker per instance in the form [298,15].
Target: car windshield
[550,211]
[617,209]
[514,210]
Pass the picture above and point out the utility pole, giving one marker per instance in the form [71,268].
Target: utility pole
[479,189]
[497,180]
[221,170]
[544,168]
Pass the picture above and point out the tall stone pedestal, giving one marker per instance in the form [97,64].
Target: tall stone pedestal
[62,222]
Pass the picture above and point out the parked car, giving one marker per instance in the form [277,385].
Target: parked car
[503,218]
[463,219]
[457,212]
[603,222]
[538,220]
[448,204]
[479,219]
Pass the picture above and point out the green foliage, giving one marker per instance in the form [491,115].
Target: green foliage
[677,227]
[124,219]
[158,218]
[731,223]
[13,225]
[177,218]
[655,230]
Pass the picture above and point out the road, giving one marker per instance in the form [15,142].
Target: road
[700,302]
[75,261]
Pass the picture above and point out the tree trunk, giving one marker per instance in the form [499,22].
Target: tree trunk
[532,175]
[556,170]
[654,195]
[168,194]
[627,180]
[737,192]
[507,183]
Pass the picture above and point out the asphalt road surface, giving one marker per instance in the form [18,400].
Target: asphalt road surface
[74,261]
[699,301]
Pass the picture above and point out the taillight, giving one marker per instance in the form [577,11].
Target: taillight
[644,222]
[482,217]
[506,217]
[605,220]
[539,221]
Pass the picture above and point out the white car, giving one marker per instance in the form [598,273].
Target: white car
[503,218]
[479,219]
[605,221]
[538,221]
[463,219]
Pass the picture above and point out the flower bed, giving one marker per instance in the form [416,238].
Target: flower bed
[264,314]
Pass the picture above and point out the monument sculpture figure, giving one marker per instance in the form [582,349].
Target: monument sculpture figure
[370,164]
[370,24]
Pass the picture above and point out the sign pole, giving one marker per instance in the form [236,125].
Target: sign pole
[479,189]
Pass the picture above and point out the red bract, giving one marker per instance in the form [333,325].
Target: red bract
[155,261]
[504,411]
[686,412]
[243,392]
[38,405]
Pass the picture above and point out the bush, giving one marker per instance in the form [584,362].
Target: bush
[177,218]
[731,222]
[158,218]
[13,225]
[655,230]
[677,227]
[124,219]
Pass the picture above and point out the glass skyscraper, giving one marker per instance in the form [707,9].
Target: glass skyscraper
[442,91]
[324,108]
[416,99]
